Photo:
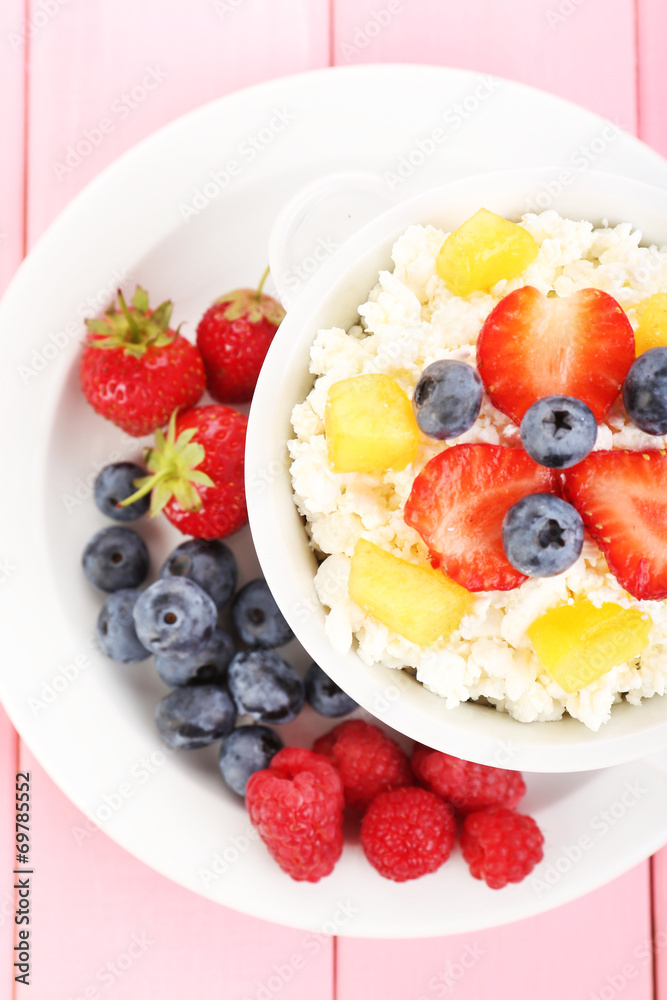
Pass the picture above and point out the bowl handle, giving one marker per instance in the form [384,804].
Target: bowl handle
[317,221]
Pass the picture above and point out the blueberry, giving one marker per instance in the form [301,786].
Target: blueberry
[265,687]
[210,564]
[115,483]
[257,617]
[542,535]
[645,391]
[207,667]
[246,750]
[115,558]
[175,617]
[447,399]
[558,431]
[324,695]
[116,634]
[192,717]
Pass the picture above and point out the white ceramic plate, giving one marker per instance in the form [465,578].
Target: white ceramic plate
[178,216]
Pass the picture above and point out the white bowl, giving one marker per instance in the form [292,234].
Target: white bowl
[330,298]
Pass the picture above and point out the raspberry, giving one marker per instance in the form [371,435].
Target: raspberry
[407,833]
[296,804]
[467,786]
[368,761]
[501,846]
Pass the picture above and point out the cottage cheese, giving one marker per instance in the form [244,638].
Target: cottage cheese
[410,320]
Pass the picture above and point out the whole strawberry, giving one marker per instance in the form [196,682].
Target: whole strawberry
[135,370]
[296,804]
[233,337]
[197,472]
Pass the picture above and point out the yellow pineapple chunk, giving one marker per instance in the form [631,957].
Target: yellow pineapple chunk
[420,603]
[370,425]
[652,329]
[483,250]
[577,643]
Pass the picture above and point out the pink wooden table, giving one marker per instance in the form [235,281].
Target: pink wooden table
[103,923]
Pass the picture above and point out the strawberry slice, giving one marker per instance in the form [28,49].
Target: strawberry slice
[532,346]
[458,502]
[622,499]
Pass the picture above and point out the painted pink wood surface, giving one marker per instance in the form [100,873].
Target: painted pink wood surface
[571,952]
[586,55]
[87,62]
[659,866]
[83,60]
[12,69]
[105,921]
[651,82]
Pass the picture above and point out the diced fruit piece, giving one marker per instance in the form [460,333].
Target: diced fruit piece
[484,250]
[652,329]
[418,602]
[622,498]
[542,535]
[458,502]
[370,425]
[532,346]
[558,431]
[447,399]
[577,643]
[645,391]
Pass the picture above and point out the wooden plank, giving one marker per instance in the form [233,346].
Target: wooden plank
[106,74]
[12,111]
[659,866]
[103,920]
[583,50]
[593,948]
[651,72]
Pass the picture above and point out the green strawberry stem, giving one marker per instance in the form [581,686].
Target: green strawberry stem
[173,462]
[135,332]
[261,284]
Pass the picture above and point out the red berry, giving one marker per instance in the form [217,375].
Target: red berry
[233,337]
[501,845]
[296,804]
[135,370]
[532,346]
[197,472]
[369,762]
[458,502]
[407,833]
[467,786]
[622,499]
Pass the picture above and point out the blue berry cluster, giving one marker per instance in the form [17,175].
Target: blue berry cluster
[214,644]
